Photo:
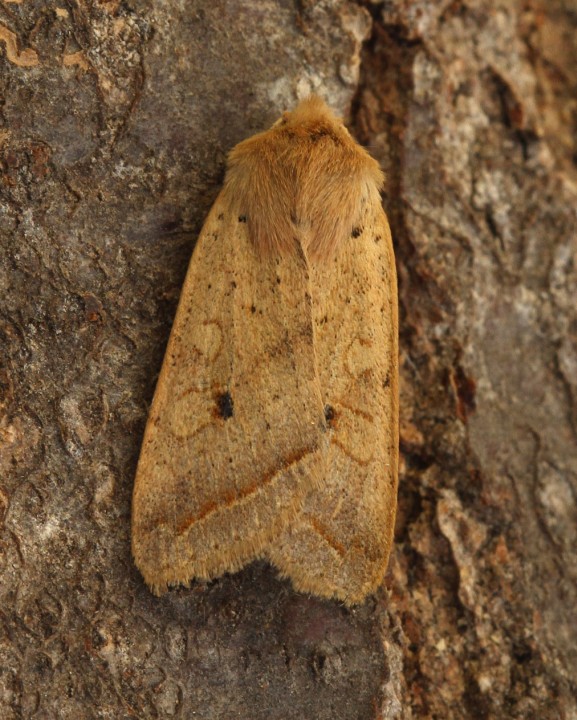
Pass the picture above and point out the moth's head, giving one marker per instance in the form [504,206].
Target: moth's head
[311,115]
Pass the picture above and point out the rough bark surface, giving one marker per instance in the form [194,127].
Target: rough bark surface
[115,121]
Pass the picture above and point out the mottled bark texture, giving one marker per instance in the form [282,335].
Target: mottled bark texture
[116,118]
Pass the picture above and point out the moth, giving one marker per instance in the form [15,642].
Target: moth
[273,432]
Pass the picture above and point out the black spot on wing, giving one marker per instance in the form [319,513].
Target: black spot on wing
[330,414]
[224,405]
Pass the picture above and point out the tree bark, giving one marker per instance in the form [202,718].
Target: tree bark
[116,120]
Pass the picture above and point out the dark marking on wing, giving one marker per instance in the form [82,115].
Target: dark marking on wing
[225,405]
[330,414]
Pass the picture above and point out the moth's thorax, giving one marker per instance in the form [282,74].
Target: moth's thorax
[305,177]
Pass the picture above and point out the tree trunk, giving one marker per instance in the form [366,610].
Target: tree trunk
[116,119]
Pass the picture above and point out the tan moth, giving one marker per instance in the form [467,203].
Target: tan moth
[273,432]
